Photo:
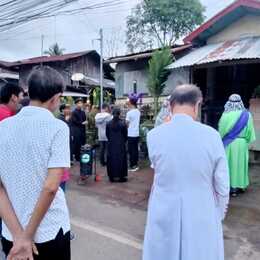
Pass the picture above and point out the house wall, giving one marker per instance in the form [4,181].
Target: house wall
[128,72]
[247,26]
[86,65]
[177,77]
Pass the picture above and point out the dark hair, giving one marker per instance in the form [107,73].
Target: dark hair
[25,102]
[78,100]
[105,106]
[63,106]
[133,102]
[44,83]
[186,95]
[116,113]
[7,90]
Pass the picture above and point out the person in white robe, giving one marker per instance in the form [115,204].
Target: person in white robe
[190,193]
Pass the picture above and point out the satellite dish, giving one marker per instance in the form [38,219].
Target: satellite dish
[77,77]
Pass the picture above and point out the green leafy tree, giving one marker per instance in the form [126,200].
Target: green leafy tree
[55,50]
[160,23]
[158,74]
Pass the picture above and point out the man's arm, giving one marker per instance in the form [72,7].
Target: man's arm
[8,215]
[25,246]
[221,178]
[127,120]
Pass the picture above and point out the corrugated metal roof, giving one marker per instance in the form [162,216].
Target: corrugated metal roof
[247,48]
[46,59]
[96,82]
[147,54]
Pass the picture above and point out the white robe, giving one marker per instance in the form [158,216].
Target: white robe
[190,192]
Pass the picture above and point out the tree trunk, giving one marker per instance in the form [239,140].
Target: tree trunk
[156,106]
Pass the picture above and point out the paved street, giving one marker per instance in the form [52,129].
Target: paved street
[108,219]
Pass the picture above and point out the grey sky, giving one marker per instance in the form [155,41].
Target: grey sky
[76,33]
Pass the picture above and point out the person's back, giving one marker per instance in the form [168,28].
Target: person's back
[133,117]
[29,139]
[189,152]
[236,128]
[191,188]
[101,120]
[34,152]
[116,131]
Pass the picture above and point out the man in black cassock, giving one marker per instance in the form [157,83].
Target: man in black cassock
[78,128]
[116,132]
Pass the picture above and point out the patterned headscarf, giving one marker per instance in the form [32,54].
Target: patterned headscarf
[234,103]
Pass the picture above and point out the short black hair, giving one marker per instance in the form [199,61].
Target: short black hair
[25,101]
[78,100]
[133,102]
[186,95]
[7,90]
[105,106]
[116,112]
[63,106]
[44,83]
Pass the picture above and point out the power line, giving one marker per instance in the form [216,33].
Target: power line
[83,11]
[10,19]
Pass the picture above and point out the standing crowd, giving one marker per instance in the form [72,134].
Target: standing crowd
[196,168]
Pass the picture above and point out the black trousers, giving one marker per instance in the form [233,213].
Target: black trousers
[57,249]
[103,153]
[79,139]
[133,151]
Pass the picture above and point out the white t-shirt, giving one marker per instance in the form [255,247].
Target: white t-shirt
[133,118]
[32,142]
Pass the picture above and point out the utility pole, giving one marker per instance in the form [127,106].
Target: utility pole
[42,39]
[101,68]
[101,81]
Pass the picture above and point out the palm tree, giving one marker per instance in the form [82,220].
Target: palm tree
[158,74]
[54,50]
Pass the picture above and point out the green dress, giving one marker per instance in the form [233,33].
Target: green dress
[237,151]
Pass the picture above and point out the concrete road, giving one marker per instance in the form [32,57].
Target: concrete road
[105,229]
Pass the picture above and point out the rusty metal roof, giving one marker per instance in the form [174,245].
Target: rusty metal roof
[47,59]
[147,54]
[242,49]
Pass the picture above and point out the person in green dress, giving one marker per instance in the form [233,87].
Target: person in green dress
[236,124]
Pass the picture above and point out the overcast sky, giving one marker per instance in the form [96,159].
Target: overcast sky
[76,33]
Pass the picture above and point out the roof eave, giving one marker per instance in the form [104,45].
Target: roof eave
[135,57]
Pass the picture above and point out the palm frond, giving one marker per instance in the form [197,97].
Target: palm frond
[158,73]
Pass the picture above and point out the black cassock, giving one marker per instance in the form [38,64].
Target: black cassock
[116,131]
[78,131]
